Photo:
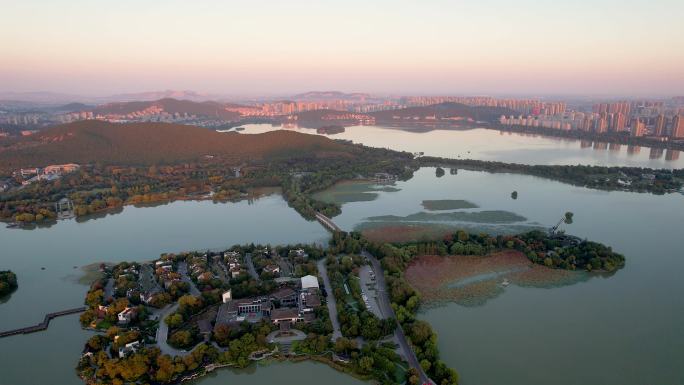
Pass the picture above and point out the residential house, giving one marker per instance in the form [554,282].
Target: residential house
[129,349]
[272,269]
[126,316]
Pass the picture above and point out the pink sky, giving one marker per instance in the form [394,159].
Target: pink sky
[269,46]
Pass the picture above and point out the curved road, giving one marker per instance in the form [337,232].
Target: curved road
[163,330]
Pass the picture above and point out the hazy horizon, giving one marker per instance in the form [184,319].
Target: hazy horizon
[495,47]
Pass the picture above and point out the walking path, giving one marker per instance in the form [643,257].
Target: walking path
[43,325]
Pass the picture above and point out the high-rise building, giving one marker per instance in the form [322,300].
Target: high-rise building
[600,125]
[677,127]
[659,125]
[619,122]
[638,127]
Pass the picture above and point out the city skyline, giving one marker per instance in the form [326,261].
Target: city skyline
[604,47]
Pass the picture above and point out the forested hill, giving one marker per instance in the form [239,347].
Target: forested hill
[156,143]
[170,105]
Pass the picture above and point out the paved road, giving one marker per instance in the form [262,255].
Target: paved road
[109,289]
[386,309]
[250,267]
[330,300]
[183,271]
[163,332]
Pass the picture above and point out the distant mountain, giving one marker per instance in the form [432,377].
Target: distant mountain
[172,106]
[156,95]
[330,95]
[72,107]
[56,98]
[157,143]
[443,111]
[47,98]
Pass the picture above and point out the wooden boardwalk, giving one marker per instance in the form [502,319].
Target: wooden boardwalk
[43,325]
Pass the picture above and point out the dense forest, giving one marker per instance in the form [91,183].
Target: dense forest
[146,144]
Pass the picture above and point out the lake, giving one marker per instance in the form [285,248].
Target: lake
[623,329]
[136,234]
[501,146]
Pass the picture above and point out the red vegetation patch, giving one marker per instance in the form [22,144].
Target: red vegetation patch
[471,280]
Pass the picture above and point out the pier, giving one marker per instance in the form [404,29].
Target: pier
[43,325]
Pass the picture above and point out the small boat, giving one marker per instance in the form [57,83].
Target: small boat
[505,282]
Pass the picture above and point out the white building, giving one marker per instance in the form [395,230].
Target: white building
[129,348]
[126,315]
[309,281]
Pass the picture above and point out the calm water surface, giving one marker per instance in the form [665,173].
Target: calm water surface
[624,329]
[495,145]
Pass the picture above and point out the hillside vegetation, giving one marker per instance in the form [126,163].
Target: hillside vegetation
[156,143]
[170,105]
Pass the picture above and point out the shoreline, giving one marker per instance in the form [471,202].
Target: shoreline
[11,224]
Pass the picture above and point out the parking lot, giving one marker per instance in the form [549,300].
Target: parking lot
[368,290]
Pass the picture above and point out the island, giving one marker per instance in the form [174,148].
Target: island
[330,130]
[8,282]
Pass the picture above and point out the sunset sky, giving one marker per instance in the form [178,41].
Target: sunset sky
[607,47]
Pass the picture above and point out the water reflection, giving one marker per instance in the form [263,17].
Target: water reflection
[485,144]
[672,155]
[656,153]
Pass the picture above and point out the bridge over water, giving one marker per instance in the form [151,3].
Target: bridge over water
[43,325]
